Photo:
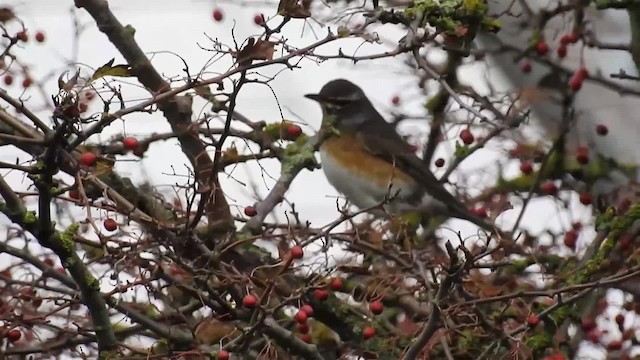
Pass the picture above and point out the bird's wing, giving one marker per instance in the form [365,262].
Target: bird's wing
[393,149]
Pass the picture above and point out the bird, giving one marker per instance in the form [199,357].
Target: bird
[364,158]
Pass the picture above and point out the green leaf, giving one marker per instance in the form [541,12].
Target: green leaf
[109,69]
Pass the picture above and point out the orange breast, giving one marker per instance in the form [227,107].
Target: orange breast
[347,151]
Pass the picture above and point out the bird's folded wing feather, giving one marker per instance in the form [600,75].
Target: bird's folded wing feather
[393,149]
[386,144]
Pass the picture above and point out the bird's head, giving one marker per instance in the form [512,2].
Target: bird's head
[342,102]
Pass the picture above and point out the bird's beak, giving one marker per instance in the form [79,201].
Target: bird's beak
[314,97]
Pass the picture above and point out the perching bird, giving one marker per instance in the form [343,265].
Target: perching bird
[367,161]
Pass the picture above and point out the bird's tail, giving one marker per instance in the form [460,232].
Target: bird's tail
[464,214]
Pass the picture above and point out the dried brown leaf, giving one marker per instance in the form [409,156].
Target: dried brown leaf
[255,50]
[6,14]
[70,84]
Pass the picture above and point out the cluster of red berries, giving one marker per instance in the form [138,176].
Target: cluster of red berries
[23,36]
[542,48]
[593,334]
[218,15]
[306,311]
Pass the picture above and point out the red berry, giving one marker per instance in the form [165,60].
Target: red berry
[306,338]
[26,82]
[303,328]
[321,294]
[27,294]
[376,307]
[588,324]
[250,211]
[593,336]
[14,335]
[39,36]
[602,129]
[368,332]
[480,212]
[603,304]
[526,167]
[82,107]
[570,38]
[557,356]
[526,67]
[575,83]
[582,155]
[542,48]
[8,79]
[583,73]
[466,136]
[308,309]
[614,345]
[110,224]
[223,355]
[71,111]
[36,303]
[533,320]
[336,284]
[297,252]
[620,320]
[88,159]
[562,51]
[439,162]
[624,205]
[294,131]
[570,239]
[549,188]
[395,100]
[74,194]
[624,242]
[258,19]
[586,198]
[217,15]
[250,301]
[130,143]
[22,36]
[301,317]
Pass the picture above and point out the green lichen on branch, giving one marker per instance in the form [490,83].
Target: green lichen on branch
[559,315]
[619,225]
[467,340]
[539,342]
[30,217]
[299,154]
[556,166]
[66,237]
[549,262]
[452,16]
